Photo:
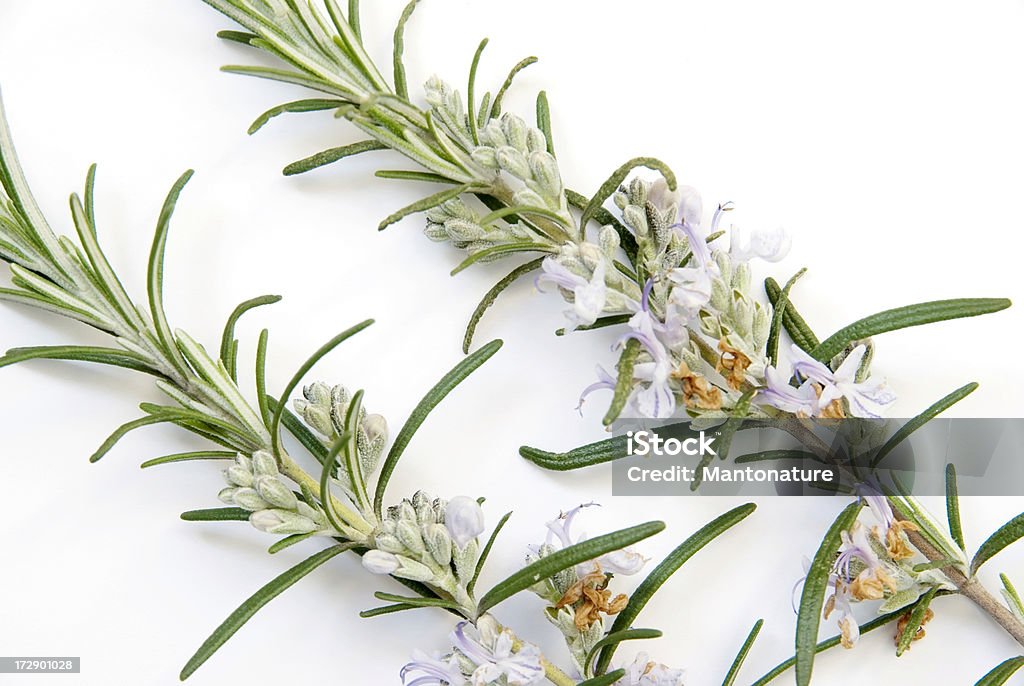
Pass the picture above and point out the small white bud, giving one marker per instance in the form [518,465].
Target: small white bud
[464,519]
[413,570]
[485,156]
[238,476]
[514,128]
[438,543]
[264,464]
[536,141]
[409,534]
[389,543]
[609,240]
[380,562]
[249,499]
[227,495]
[545,172]
[276,493]
[514,162]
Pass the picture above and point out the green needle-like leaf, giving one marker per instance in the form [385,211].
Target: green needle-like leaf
[1001,673]
[905,317]
[664,571]
[471,92]
[1007,534]
[953,507]
[416,601]
[492,295]
[605,679]
[434,396]
[778,317]
[387,610]
[486,552]
[303,370]
[737,664]
[401,85]
[624,382]
[123,431]
[253,605]
[217,514]
[227,339]
[544,119]
[185,457]
[503,249]
[300,431]
[585,456]
[614,639]
[1012,597]
[309,105]
[427,203]
[565,558]
[812,599]
[331,156]
[796,326]
[289,541]
[920,420]
[499,97]
[914,622]
[78,353]
[615,180]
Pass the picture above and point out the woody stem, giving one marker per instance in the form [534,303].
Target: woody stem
[968,587]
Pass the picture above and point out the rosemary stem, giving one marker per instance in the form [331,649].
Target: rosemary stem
[297,474]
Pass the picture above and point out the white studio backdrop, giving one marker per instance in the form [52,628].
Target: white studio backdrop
[885,137]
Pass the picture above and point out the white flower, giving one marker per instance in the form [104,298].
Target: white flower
[432,670]
[868,399]
[588,296]
[494,657]
[770,245]
[623,561]
[691,290]
[644,672]
[464,519]
[379,562]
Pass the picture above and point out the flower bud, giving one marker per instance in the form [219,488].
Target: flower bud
[528,198]
[319,419]
[485,156]
[317,393]
[413,570]
[514,128]
[465,560]
[227,495]
[389,543]
[276,493]
[493,135]
[513,161]
[282,522]
[609,240]
[464,519]
[439,543]
[635,219]
[263,463]
[545,172]
[409,534]
[380,562]
[536,141]
[249,499]
[238,476]
[463,230]
[406,511]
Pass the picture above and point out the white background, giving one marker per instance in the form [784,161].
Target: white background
[885,136]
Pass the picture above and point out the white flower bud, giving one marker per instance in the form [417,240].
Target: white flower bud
[485,156]
[380,562]
[493,135]
[544,169]
[528,198]
[536,141]
[389,543]
[281,522]
[319,419]
[409,534]
[263,463]
[436,233]
[227,495]
[276,493]
[465,560]
[464,519]
[514,128]
[238,476]
[249,499]
[413,570]
[317,393]
[609,240]
[636,219]
[463,230]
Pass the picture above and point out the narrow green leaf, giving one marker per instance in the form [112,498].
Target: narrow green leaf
[416,601]
[796,326]
[936,564]
[1011,596]
[289,541]
[254,603]
[353,18]
[778,316]
[920,420]
[614,639]
[186,457]
[953,507]
[904,317]
[303,370]
[616,179]
[1002,672]
[90,197]
[227,338]
[217,514]
[499,97]
[429,202]
[665,569]
[261,378]
[544,119]
[914,622]
[768,455]
[155,278]
[326,499]
[781,668]
[406,175]
[310,105]
[331,156]
[300,431]
[77,353]
[122,431]
[401,85]
[482,560]
[812,598]
[243,37]
[387,610]
[565,558]
[471,92]
[606,450]
[624,382]
[608,679]
[503,249]
[492,295]
[350,450]
[734,670]
[1006,535]
[601,323]
[434,396]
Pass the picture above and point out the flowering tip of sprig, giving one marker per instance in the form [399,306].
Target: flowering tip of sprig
[490,657]
[464,519]
[589,296]
[626,561]
[645,672]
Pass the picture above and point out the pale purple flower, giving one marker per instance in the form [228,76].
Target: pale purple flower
[656,399]
[855,546]
[588,296]
[464,519]
[691,289]
[625,561]
[778,393]
[644,672]
[432,670]
[867,399]
[604,381]
[770,245]
[848,627]
[494,657]
[877,503]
